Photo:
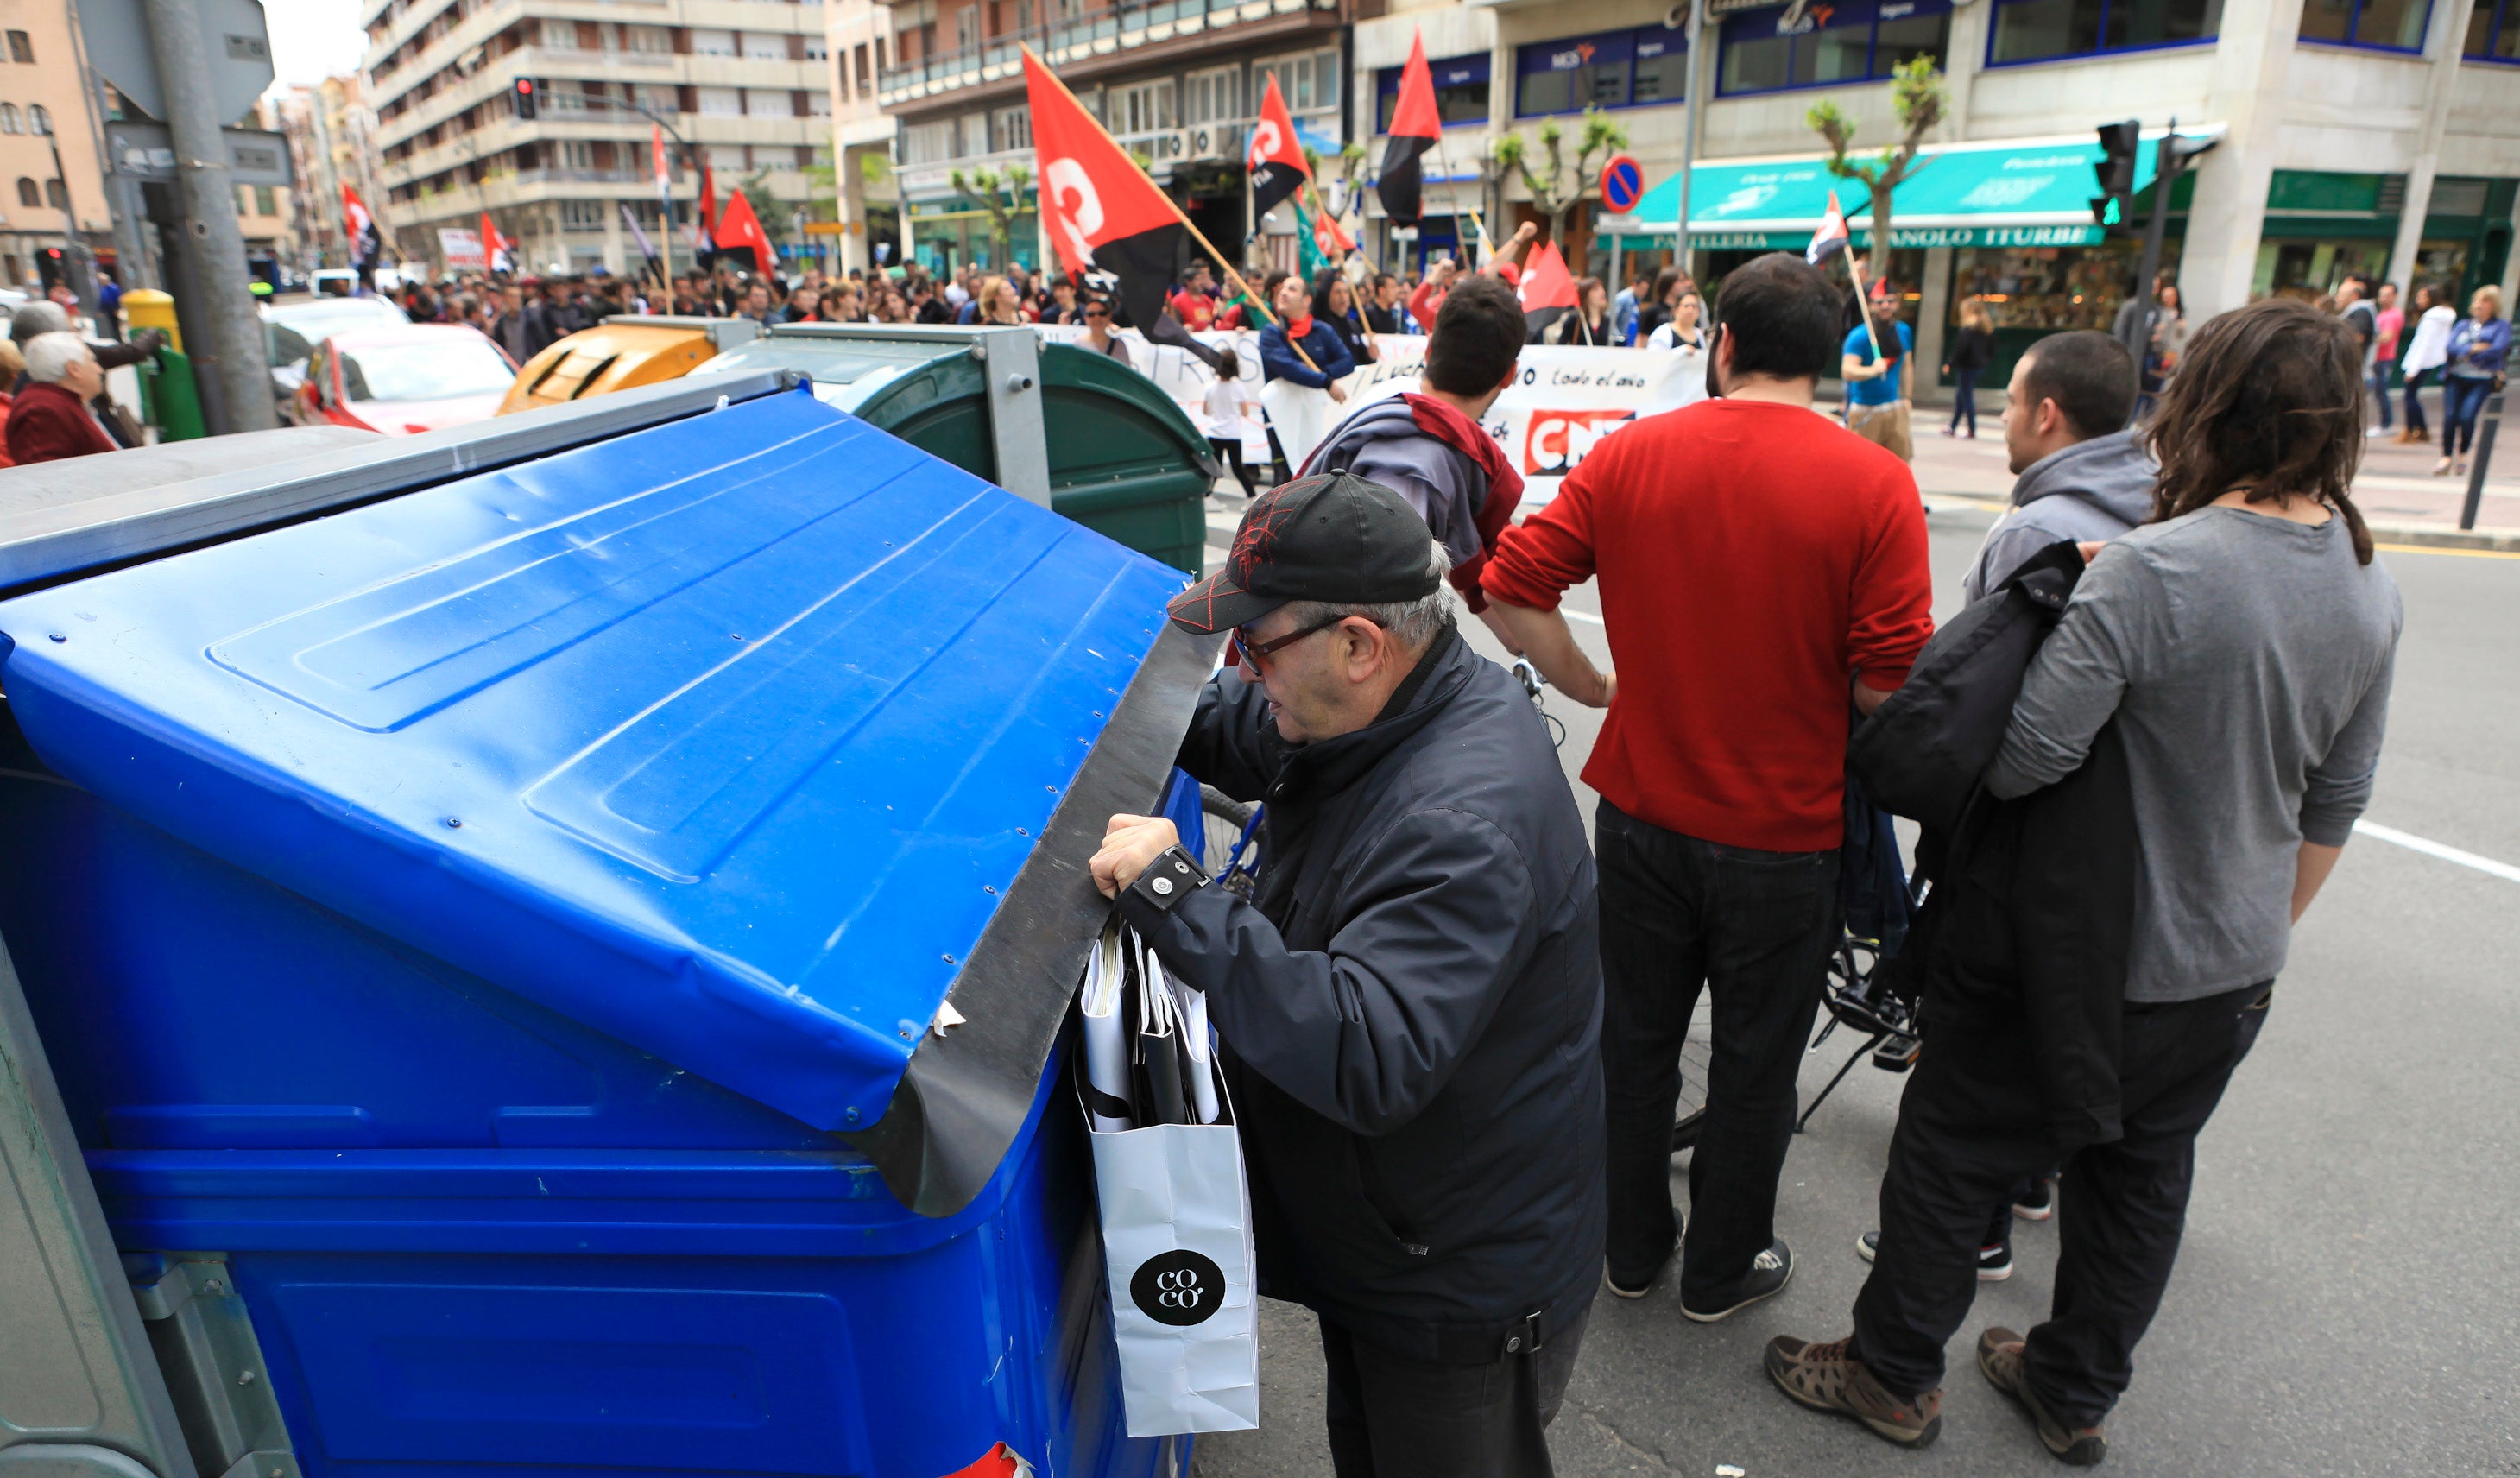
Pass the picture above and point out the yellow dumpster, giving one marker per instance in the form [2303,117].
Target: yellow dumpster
[149,308]
[619,353]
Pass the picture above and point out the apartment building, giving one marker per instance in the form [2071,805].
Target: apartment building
[2376,136]
[1176,81]
[43,109]
[859,34]
[332,144]
[746,84]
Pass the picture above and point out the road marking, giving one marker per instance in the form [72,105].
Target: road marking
[2415,843]
[2433,548]
[1577,615]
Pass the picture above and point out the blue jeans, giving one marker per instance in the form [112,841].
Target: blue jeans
[1965,399]
[2380,390]
[2462,397]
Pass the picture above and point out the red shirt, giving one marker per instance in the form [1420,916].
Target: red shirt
[1195,310]
[1754,557]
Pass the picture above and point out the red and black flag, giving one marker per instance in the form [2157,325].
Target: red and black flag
[1277,160]
[1105,217]
[1416,126]
[1546,289]
[738,229]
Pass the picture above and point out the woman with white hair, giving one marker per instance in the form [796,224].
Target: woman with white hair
[50,419]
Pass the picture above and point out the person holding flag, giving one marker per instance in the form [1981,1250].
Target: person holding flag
[367,242]
[1877,351]
[497,250]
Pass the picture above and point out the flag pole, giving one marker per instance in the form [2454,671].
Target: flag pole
[1224,264]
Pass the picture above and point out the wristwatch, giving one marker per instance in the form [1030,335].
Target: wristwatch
[1171,878]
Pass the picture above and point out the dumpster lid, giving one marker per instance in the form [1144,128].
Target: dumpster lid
[734,738]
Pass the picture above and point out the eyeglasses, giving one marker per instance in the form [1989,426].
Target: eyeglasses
[1248,655]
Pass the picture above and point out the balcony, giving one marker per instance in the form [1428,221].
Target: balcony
[659,68]
[1065,44]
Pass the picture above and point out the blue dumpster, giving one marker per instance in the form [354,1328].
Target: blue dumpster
[586,942]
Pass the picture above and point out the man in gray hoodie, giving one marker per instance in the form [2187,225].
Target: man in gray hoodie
[2082,476]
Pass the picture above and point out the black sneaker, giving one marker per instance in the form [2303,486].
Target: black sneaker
[2038,1205]
[1994,1263]
[1640,1286]
[1769,1273]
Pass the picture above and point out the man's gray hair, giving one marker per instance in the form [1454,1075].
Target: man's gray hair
[1415,622]
[35,318]
[49,356]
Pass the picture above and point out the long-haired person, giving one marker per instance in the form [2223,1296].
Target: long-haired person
[1589,324]
[2427,350]
[2228,666]
[1335,303]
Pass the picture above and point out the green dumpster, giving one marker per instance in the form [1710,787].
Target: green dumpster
[1107,447]
[168,398]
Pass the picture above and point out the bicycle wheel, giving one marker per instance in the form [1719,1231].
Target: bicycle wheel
[1694,1052]
[1228,820]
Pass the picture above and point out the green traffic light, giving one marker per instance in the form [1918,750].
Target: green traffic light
[2115,212]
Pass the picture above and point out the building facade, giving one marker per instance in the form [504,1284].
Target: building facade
[1177,83]
[43,203]
[332,144]
[2370,136]
[868,198]
[742,85]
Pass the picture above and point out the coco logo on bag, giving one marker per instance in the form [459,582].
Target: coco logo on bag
[1179,1287]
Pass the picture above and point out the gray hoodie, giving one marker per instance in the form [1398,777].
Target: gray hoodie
[2096,489]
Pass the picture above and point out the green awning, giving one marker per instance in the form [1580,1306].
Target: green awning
[2009,193]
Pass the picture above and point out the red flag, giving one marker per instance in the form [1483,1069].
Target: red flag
[1276,157]
[656,151]
[1416,126]
[705,236]
[739,229]
[366,241]
[1546,289]
[1104,213]
[494,247]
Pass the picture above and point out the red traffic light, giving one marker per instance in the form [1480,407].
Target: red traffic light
[525,84]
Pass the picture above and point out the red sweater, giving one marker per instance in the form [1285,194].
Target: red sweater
[1753,559]
[48,422]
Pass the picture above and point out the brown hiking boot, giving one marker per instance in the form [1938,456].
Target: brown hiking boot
[1999,1354]
[1827,1378]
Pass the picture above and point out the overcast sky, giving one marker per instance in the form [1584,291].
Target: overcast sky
[312,39]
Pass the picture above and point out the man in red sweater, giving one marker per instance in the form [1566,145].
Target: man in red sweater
[1763,573]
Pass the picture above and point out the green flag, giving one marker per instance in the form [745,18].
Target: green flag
[1308,250]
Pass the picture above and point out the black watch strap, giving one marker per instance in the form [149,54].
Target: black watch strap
[1169,878]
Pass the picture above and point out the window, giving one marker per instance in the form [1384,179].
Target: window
[577,153]
[56,195]
[928,142]
[712,43]
[559,35]
[21,48]
[28,195]
[1141,108]
[721,102]
[1858,41]
[266,201]
[2379,24]
[759,47]
[818,104]
[582,215]
[966,27]
[1214,96]
[10,121]
[654,40]
[1010,128]
[39,119]
[2040,30]
[762,102]
[1309,80]
[2494,31]
[818,48]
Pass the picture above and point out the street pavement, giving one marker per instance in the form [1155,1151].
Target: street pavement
[2348,1298]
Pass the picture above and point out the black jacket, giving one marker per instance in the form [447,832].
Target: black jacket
[2032,908]
[1411,1007]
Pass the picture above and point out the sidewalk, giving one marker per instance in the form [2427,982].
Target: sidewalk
[2399,497]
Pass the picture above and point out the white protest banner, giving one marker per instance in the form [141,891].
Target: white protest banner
[1563,399]
[461,245]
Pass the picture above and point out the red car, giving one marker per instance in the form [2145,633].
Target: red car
[403,378]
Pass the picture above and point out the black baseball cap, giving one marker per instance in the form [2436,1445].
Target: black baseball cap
[1333,537]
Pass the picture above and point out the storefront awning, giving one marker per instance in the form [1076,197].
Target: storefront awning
[2007,192]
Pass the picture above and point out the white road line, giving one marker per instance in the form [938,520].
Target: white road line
[1577,615]
[2413,843]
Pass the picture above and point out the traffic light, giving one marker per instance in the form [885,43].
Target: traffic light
[521,93]
[2114,207]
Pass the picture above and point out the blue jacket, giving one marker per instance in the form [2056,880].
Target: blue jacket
[2478,349]
[1279,362]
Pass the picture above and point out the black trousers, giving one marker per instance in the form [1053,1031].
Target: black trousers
[1681,915]
[1229,450]
[1971,1127]
[1391,1416]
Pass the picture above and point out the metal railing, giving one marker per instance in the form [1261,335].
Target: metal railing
[1121,28]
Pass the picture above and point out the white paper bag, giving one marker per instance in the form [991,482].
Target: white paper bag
[1177,1252]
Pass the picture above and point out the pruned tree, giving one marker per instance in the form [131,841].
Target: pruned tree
[1000,193]
[1554,194]
[1918,98]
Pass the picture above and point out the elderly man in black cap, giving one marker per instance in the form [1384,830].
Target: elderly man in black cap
[1411,1000]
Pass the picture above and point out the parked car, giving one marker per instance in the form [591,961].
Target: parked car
[620,353]
[403,381]
[290,332]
